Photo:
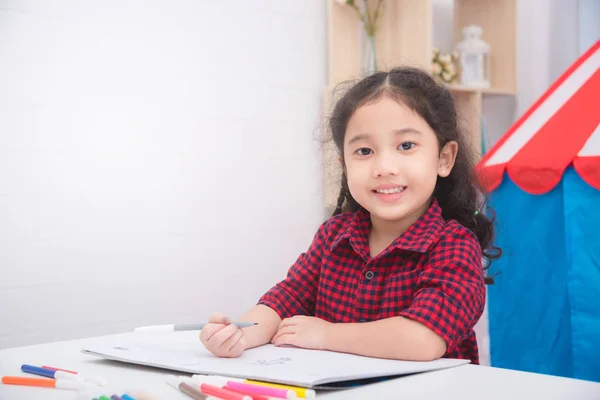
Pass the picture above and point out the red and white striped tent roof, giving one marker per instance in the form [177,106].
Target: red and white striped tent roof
[560,129]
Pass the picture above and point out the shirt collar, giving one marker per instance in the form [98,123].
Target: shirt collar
[418,237]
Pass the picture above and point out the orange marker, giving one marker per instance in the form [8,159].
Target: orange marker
[43,382]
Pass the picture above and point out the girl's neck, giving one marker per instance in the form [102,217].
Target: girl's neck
[383,233]
[390,230]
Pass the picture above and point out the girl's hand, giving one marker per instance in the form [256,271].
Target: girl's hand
[222,338]
[303,331]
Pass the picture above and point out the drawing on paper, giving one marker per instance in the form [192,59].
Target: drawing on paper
[277,361]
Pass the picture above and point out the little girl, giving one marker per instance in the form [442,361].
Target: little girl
[397,271]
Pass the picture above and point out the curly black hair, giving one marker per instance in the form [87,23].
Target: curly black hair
[460,195]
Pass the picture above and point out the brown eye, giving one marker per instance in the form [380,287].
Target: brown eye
[364,151]
[406,146]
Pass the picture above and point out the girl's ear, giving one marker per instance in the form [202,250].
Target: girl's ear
[447,158]
[342,164]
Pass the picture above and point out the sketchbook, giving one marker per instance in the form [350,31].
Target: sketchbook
[285,365]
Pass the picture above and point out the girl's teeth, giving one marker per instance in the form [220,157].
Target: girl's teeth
[390,191]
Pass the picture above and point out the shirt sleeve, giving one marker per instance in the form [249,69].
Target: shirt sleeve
[450,294]
[297,293]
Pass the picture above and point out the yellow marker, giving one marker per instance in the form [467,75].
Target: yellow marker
[300,391]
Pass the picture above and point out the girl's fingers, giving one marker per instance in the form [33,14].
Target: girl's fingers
[219,318]
[232,340]
[238,348]
[209,330]
[288,322]
[286,330]
[287,339]
[222,335]
[236,342]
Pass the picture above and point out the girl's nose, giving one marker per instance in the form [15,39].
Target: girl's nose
[386,165]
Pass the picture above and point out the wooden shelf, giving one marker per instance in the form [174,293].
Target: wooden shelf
[498,19]
[404,33]
[404,37]
[484,91]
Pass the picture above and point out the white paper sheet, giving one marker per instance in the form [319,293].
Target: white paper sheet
[286,365]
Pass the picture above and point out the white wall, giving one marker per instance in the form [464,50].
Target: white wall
[157,159]
[548,45]
[589,24]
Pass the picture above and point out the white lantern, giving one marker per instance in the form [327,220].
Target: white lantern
[474,55]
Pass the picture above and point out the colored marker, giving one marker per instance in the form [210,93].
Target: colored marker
[127,397]
[94,380]
[141,395]
[186,327]
[221,393]
[300,391]
[179,383]
[48,373]
[84,395]
[59,369]
[263,390]
[241,385]
[217,380]
[254,396]
[103,398]
[116,397]
[43,382]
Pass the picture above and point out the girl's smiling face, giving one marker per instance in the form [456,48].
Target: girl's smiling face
[392,161]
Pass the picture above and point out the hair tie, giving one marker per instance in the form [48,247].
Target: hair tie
[476,212]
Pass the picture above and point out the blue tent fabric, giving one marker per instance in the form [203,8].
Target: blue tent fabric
[544,309]
[582,216]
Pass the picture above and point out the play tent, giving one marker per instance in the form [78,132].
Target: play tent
[543,178]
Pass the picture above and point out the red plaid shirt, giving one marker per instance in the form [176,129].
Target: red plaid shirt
[432,274]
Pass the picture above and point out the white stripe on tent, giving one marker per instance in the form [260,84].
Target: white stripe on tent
[545,111]
[592,146]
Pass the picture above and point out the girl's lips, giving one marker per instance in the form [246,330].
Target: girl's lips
[390,195]
[388,186]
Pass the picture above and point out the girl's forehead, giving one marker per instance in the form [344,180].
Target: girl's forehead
[384,108]
[384,115]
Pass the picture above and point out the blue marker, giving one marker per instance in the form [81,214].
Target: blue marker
[49,373]
[127,397]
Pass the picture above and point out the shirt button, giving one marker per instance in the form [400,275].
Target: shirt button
[369,275]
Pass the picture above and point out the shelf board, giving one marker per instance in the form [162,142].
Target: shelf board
[493,91]
[498,19]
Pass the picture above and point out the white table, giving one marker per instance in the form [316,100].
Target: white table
[460,383]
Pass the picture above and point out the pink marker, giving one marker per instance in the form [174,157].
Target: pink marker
[240,386]
[254,396]
[222,393]
[261,390]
